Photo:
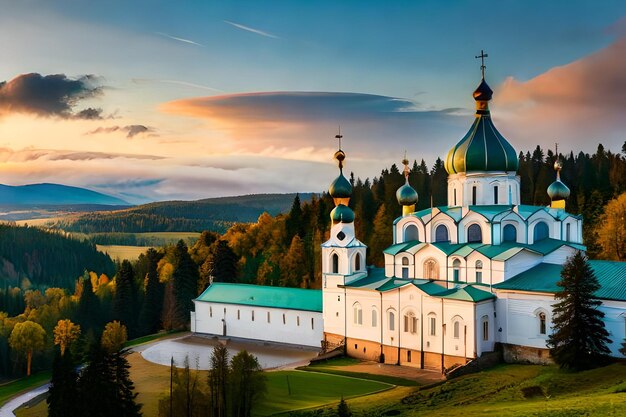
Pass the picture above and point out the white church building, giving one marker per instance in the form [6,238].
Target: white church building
[457,279]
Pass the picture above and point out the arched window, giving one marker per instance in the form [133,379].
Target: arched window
[335,263]
[432,324]
[479,272]
[431,269]
[405,267]
[457,329]
[410,323]
[485,322]
[374,317]
[568,235]
[411,233]
[392,320]
[441,234]
[456,270]
[541,231]
[509,233]
[357,262]
[474,234]
[542,323]
[358,313]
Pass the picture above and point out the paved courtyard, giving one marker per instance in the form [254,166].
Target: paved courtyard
[198,349]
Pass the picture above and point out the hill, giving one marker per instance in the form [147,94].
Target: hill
[215,214]
[53,194]
[47,259]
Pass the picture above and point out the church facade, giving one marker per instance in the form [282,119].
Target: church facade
[460,278]
[457,279]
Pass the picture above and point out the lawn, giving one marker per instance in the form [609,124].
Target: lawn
[13,388]
[122,252]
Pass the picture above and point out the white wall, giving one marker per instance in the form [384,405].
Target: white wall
[211,317]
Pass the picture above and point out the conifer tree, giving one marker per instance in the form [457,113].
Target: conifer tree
[579,339]
[293,223]
[622,350]
[247,384]
[88,311]
[185,285]
[63,389]
[125,389]
[293,268]
[342,409]
[123,300]
[224,263]
[151,309]
[218,380]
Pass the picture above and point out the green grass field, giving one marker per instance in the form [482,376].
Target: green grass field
[13,388]
[122,252]
[506,390]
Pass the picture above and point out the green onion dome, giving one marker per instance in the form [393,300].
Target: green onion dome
[558,191]
[483,148]
[343,214]
[406,195]
[340,187]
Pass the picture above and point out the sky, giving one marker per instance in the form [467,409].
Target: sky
[159,100]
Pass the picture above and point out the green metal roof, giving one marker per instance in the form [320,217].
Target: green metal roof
[490,211]
[544,277]
[467,293]
[401,247]
[375,278]
[263,296]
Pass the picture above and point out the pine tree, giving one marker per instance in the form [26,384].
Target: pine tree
[622,350]
[123,300]
[125,395]
[293,224]
[185,285]
[579,340]
[63,386]
[381,237]
[224,263]
[151,309]
[88,311]
[247,384]
[342,409]
[218,380]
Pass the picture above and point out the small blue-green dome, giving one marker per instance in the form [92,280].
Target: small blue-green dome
[340,188]
[343,214]
[406,195]
[558,191]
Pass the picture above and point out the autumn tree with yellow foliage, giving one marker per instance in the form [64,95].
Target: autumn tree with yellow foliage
[26,338]
[611,229]
[65,333]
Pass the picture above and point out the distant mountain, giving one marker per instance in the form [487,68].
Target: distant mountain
[53,194]
[215,214]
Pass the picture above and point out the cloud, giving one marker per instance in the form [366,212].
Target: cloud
[176,82]
[249,29]
[130,130]
[578,104]
[49,95]
[278,123]
[31,155]
[175,38]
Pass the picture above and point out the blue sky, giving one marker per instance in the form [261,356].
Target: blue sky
[173,68]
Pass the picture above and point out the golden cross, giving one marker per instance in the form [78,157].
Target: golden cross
[482,57]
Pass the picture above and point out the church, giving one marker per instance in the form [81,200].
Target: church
[457,279]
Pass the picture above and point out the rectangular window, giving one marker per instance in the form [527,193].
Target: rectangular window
[413,325]
[474,195]
[238,314]
[406,324]
[485,330]
[455,196]
[268,316]
[479,277]
[455,275]
[495,195]
[298,320]
[374,318]
[284,319]
[312,323]
[392,321]
[252,315]
[567,232]
[210,311]
[433,326]
[408,356]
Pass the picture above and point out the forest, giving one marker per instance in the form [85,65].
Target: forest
[55,277]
